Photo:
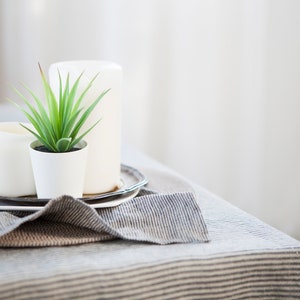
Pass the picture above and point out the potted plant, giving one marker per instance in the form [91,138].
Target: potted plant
[59,154]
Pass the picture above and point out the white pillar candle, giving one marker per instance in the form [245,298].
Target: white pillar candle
[103,166]
[16,176]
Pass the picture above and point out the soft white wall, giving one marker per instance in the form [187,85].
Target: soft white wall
[281,118]
[210,87]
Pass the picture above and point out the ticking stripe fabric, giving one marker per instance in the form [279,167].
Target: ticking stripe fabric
[254,276]
[245,258]
[154,218]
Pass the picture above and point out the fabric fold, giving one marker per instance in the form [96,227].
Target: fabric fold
[153,218]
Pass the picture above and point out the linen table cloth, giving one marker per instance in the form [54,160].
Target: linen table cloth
[245,258]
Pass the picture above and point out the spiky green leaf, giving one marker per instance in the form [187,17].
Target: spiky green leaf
[58,123]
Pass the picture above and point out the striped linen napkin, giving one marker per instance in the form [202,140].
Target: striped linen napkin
[149,217]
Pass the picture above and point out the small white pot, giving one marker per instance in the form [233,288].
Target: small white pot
[57,174]
[16,177]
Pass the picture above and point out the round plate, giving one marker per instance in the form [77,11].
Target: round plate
[131,178]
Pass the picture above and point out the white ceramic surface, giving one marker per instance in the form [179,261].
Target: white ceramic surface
[59,174]
[16,177]
[104,160]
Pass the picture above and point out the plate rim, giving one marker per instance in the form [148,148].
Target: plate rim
[102,204]
[102,197]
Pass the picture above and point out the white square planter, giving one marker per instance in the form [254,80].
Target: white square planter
[57,174]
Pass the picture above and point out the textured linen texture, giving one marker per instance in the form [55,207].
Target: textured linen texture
[245,258]
[160,219]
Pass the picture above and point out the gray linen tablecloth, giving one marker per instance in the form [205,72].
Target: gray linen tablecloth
[245,258]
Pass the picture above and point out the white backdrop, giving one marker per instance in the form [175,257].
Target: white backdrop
[211,88]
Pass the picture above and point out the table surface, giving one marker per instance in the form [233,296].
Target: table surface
[245,258]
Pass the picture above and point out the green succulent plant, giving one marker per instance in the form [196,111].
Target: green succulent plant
[57,124]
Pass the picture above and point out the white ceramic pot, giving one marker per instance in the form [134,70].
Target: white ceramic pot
[16,177]
[57,174]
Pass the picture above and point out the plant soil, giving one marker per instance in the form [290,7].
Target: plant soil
[45,149]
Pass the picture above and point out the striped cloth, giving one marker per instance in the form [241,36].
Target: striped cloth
[154,218]
[245,259]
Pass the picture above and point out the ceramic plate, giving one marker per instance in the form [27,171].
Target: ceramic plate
[132,181]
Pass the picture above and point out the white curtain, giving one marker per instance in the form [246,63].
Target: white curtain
[211,88]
